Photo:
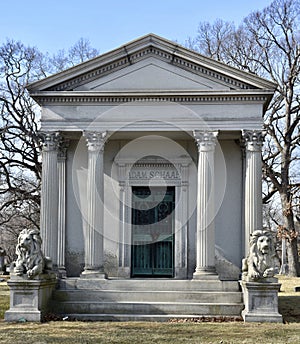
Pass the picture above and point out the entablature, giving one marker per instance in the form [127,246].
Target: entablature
[49,97]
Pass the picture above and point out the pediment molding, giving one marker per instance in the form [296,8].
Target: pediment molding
[144,48]
[146,53]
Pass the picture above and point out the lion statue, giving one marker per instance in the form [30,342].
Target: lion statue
[262,262]
[30,259]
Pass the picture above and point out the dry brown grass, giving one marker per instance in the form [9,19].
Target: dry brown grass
[148,333]
[289,300]
[4,299]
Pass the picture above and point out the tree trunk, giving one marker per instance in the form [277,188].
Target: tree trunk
[291,236]
[292,253]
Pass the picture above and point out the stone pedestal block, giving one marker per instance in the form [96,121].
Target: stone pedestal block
[261,302]
[29,298]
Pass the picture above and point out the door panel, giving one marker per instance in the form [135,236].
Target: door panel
[153,231]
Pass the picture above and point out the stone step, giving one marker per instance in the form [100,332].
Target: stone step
[146,299]
[148,284]
[145,296]
[140,317]
[70,308]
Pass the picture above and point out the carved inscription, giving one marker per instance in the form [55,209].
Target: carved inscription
[154,174]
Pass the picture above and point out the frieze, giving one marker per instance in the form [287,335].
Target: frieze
[71,99]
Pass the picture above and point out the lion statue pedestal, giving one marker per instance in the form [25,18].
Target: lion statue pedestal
[260,287]
[32,281]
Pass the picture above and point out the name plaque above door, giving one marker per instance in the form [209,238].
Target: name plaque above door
[156,170]
[162,173]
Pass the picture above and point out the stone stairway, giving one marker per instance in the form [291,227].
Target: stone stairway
[145,299]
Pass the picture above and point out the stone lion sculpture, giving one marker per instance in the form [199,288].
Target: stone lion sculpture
[30,259]
[261,264]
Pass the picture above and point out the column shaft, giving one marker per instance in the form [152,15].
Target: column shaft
[205,248]
[49,197]
[95,191]
[61,168]
[253,183]
[124,266]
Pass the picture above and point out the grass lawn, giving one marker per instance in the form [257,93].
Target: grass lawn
[4,300]
[151,332]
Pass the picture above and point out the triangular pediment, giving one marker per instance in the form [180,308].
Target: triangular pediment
[152,74]
[150,63]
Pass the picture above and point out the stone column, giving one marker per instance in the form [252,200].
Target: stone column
[49,196]
[124,266]
[253,183]
[93,234]
[205,248]
[181,222]
[124,219]
[61,168]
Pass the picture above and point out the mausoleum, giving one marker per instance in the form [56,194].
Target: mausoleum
[151,181]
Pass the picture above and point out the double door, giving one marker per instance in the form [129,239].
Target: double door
[153,231]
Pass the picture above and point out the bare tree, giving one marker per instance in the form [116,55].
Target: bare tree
[78,53]
[268,43]
[20,165]
[20,144]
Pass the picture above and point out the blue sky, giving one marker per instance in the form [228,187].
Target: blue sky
[51,25]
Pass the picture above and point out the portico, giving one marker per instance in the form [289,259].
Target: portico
[140,172]
[151,164]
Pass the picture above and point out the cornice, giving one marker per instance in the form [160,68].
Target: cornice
[67,98]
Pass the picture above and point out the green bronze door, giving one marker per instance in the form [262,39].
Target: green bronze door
[153,231]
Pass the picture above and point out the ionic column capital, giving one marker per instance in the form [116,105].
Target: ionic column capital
[205,140]
[96,140]
[253,139]
[63,146]
[50,141]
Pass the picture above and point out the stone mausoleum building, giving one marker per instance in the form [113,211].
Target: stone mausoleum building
[151,181]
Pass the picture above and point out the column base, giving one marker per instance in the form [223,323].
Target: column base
[206,274]
[94,274]
[62,273]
